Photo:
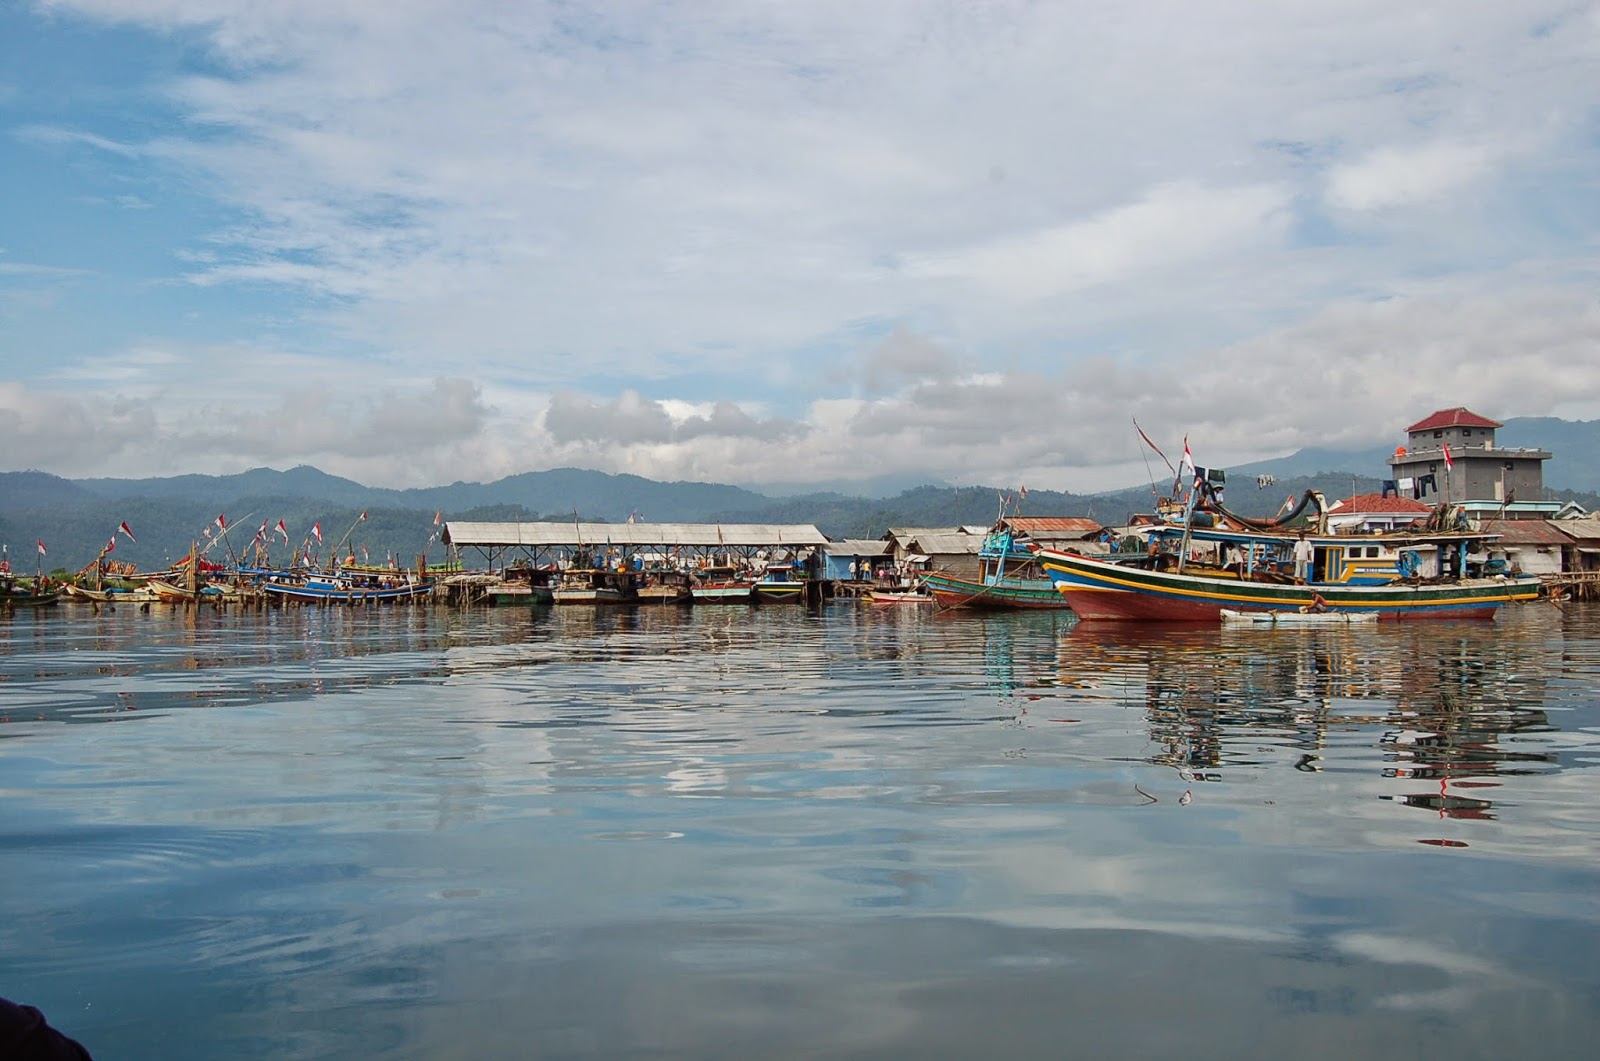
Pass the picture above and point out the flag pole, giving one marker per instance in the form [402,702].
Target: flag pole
[338,550]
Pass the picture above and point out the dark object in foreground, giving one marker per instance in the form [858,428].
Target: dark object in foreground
[26,1036]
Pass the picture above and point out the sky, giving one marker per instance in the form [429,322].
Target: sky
[785,243]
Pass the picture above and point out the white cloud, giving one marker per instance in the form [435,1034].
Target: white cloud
[1169,228]
[712,240]
[1394,177]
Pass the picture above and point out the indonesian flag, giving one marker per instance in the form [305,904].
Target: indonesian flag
[1188,461]
[283,531]
[362,516]
[222,523]
[123,527]
[41,548]
[316,531]
[261,535]
[1448,463]
[111,546]
[438,516]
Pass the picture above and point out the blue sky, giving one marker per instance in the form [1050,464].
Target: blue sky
[785,243]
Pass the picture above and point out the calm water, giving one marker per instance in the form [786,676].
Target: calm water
[741,833]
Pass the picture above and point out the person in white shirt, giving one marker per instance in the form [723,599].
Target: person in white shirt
[1302,558]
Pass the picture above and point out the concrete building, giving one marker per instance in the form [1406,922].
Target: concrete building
[1450,457]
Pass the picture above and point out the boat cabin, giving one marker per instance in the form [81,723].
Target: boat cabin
[1336,560]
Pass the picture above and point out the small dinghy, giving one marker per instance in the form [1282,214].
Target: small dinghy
[1264,618]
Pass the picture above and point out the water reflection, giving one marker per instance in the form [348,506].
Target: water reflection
[786,832]
[1463,704]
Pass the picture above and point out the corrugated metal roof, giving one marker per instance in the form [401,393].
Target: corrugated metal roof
[694,535]
[1525,532]
[1586,529]
[858,547]
[948,544]
[916,532]
[1457,417]
[1046,527]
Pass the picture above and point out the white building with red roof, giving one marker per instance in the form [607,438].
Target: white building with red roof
[1365,513]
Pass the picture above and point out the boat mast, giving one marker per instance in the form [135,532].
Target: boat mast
[338,550]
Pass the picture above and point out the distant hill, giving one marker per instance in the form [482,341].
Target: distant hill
[77,518]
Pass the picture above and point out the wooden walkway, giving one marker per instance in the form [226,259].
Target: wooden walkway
[1572,585]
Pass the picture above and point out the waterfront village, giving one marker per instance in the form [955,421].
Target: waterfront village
[1455,508]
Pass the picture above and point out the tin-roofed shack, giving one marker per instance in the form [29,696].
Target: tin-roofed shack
[1532,546]
[853,559]
[1583,554]
[1056,532]
[952,551]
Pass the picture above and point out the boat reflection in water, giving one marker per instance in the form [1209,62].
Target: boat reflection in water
[1450,710]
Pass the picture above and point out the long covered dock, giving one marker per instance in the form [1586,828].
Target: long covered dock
[498,545]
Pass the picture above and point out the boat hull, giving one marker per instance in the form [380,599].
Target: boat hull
[343,595]
[1297,618]
[737,593]
[1096,589]
[603,595]
[909,598]
[951,591]
[664,595]
[779,592]
[28,600]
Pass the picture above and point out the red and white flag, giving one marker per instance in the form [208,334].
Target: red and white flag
[123,527]
[111,546]
[283,531]
[222,523]
[42,549]
[316,531]
[438,516]
[1448,463]
[363,515]
[1187,459]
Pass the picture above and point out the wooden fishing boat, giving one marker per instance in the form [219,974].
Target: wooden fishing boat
[1420,573]
[1278,618]
[315,587]
[171,592]
[1009,577]
[722,585]
[521,587]
[21,593]
[596,585]
[780,583]
[900,596]
[664,587]
[111,595]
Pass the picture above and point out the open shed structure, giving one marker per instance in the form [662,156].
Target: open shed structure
[498,545]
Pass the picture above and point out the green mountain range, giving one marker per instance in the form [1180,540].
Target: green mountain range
[77,518]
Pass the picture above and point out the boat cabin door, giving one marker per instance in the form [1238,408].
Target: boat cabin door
[1327,564]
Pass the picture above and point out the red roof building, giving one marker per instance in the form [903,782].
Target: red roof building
[1457,417]
[1374,512]
[1450,456]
